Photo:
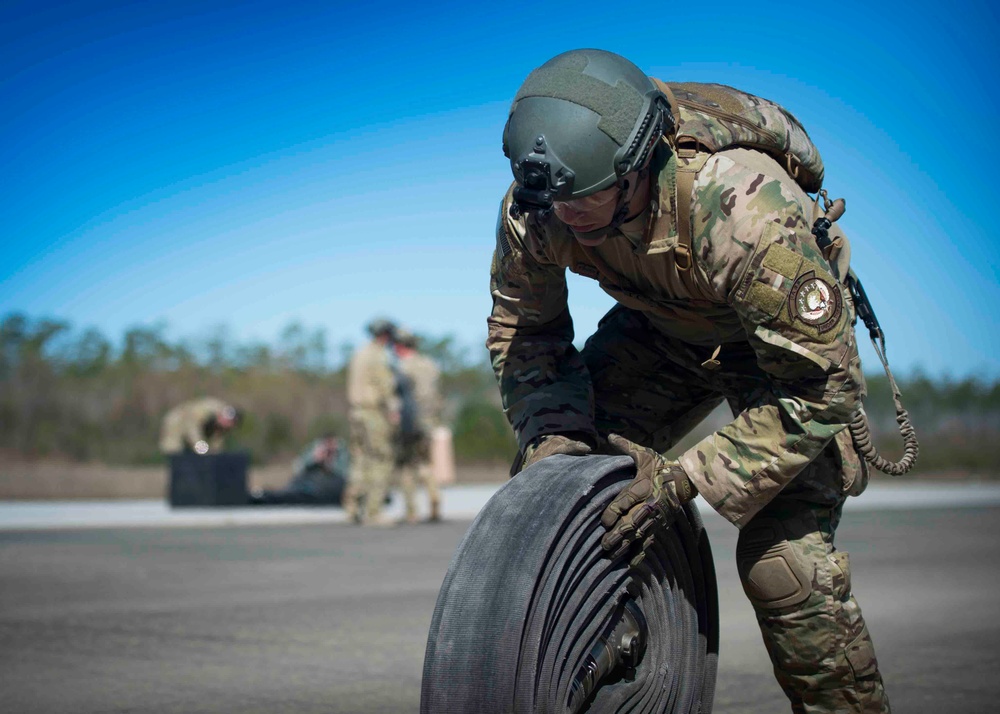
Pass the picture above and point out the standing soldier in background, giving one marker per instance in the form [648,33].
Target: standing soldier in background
[198,426]
[422,381]
[374,417]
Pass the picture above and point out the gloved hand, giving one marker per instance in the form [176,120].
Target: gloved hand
[551,444]
[650,501]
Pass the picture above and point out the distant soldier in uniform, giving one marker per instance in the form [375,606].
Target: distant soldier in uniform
[753,313]
[198,426]
[374,417]
[421,378]
[320,475]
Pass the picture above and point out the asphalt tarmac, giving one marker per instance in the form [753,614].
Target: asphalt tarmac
[329,617]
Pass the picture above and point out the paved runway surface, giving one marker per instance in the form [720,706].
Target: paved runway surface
[292,616]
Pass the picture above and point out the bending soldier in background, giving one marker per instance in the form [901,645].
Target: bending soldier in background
[419,378]
[198,426]
[374,416]
[749,310]
[320,476]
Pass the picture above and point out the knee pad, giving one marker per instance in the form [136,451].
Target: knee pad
[772,573]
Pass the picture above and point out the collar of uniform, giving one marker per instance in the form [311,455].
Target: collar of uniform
[637,229]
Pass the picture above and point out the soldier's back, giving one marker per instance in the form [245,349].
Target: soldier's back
[369,378]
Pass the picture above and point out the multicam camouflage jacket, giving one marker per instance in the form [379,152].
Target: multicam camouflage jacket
[187,423]
[757,276]
[371,384]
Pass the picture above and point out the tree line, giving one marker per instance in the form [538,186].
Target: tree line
[74,394]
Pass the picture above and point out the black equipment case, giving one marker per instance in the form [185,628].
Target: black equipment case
[209,480]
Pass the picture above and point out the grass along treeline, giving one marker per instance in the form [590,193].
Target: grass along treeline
[76,395]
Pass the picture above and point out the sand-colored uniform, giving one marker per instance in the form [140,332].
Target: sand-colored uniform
[760,320]
[373,410]
[190,422]
[415,449]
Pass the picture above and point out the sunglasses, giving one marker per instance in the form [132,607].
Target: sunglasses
[586,204]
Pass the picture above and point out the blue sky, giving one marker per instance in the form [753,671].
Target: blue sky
[255,163]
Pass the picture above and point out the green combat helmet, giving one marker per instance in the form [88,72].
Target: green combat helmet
[406,338]
[578,125]
[381,326]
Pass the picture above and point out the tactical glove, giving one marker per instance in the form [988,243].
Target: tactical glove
[650,501]
[551,444]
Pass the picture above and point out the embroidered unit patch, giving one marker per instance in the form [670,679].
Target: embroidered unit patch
[815,301]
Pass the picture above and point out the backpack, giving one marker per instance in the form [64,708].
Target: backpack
[409,423]
[714,117]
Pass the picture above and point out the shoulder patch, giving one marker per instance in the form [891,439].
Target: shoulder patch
[815,301]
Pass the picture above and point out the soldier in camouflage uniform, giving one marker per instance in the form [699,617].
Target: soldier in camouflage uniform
[198,426]
[374,417]
[414,459]
[754,314]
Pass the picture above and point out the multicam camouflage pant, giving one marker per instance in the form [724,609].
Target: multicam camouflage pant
[653,389]
[372,464]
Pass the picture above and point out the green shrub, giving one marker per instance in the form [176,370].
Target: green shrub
[482,433]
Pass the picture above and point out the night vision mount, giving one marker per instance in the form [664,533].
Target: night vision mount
[541,178]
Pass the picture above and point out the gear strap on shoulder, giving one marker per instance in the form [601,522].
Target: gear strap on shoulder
[689,163]
[687,167]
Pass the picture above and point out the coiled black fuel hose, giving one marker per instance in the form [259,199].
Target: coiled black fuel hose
[534,617]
